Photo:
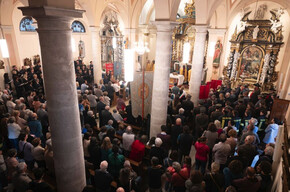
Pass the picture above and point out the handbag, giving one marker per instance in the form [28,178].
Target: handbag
[20,154]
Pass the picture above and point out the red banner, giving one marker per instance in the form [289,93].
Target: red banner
[110,67]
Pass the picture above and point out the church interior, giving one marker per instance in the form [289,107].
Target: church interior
[144,95]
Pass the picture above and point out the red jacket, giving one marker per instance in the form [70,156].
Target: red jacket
[202,151]
[178,179]
[137,151]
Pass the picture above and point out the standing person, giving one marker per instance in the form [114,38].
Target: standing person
[93,101]
[188,106]
[116,162]
[201,122]
[185,141]
[110,89]
[212,135]
[249,180]
[214,181]
[13,132]
[154,175]
[157,151]
[175,132]
[166,139]
[202,151]
[128,138]
[221,151]
[103,178]
[27,149]
[35,126]
[138,149]
[175,90]
[38,153]
[271,132]
[106,148]
[21,179]
[179,177]
[39,185]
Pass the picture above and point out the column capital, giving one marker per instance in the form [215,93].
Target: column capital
[165,26]
[201,28]
[47,11]
[220,31]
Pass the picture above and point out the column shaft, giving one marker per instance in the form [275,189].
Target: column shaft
[161,77]
[60,89]
[96,48]
[197,62]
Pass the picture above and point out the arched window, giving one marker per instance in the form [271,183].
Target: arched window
[78,27]
[26,24]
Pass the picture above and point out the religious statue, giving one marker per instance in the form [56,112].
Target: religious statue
[126,43]
[217,53]
[276,25]
[243,25]
[81,49]
[255,32]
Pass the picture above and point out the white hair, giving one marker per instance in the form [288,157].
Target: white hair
[181,111]
[104,165]
[110,122]
[90,113]
[158,142]
[269,151]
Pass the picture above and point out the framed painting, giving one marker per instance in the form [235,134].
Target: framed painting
[251,63]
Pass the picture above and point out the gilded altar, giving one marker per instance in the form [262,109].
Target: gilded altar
[254,52]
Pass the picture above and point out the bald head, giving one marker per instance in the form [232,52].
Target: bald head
[120,189]
[129,129]
[178,121]
[249,139]
[107,108]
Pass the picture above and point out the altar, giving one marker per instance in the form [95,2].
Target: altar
[179,79]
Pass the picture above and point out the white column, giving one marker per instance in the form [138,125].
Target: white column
[161,76]
[96,48]
[60,90]
[197,62]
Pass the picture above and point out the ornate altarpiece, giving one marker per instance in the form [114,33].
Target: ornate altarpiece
[183,33]
[109,53]
[254,52]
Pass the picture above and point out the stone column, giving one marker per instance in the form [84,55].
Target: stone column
[96,48]
[60,89]
[161,76]
[197,62]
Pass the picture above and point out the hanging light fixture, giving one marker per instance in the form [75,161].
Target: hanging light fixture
[141,47]
[4,48]
[73,45]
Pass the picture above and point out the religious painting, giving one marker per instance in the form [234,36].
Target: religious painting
[217,53]
[251,63]
[110,56]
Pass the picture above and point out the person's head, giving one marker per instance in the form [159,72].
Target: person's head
[249,139]
[223,137]
[212,127]
[250,127]
[129,130]
[120,189]
[21,167]
[265,168]
[202,139]
[34,116]
[250,172]
[215,167]
[269,151]
[12,152]
[178,121]
[158,142]
[104,165]
[176,166]
[22,136]
[110,122]
[253,121]
[115,149]
[90,113]
[181,111]
[230,189]
[38,173]
[173,155]
[107,107]
[232,133]
[127,164]
[202,110]
[196,177]
[186,129]
[163,128]
[103,129]
[36,142]
[154,161]
[236,167]
[106,143]
[11,120]
[218,124]
[87,136]
[114,110]
[144,139]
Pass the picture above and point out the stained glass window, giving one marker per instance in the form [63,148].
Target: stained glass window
[26,24]
[78,27]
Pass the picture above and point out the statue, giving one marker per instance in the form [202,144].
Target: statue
[243,25]
[255,32]
[81,49]
[217,53]
[276,25]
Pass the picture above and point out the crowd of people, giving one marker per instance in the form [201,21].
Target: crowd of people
[230,131]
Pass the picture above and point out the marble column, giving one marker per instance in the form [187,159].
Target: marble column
[161,76]
[197,62]
[60,89]
[96,48]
